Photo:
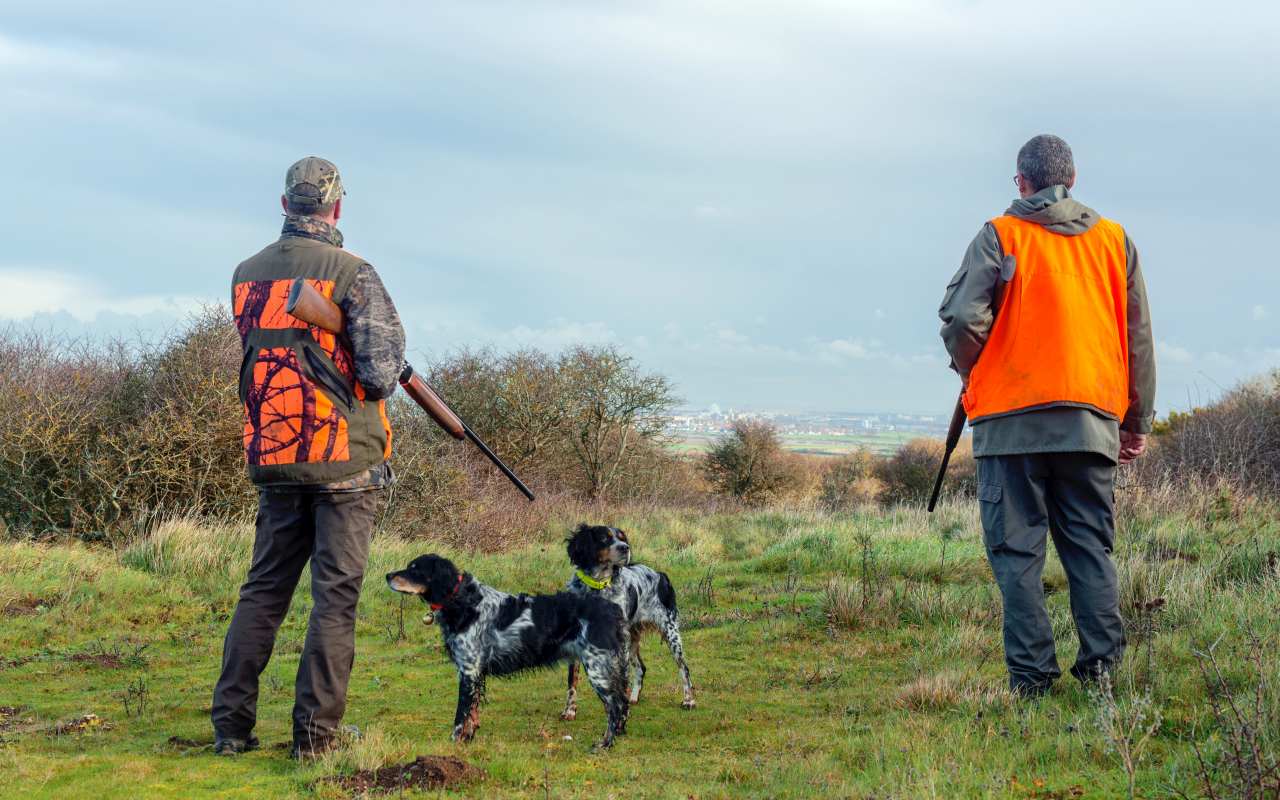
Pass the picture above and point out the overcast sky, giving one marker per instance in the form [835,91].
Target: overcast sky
[762,200]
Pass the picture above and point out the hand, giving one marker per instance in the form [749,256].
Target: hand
[1132,445]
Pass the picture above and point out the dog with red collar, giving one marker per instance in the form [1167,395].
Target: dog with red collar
[489,632]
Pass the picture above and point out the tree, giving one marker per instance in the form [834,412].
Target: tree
[850,481]
[613,405]
[749,463]
[517,402]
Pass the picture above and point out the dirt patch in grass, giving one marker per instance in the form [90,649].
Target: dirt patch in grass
[424,772]
[81,724]
[11,663]
[13,719]
[187,744]
[103,660]
[25,606]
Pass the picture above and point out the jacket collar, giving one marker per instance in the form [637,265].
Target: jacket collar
[1056,210]
[311,228]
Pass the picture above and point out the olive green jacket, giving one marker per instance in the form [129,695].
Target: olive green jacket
[967,315]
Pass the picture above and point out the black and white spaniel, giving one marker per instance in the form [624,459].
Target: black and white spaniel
[602,558]
[488,632]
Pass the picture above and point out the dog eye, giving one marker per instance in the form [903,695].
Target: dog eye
[622,536]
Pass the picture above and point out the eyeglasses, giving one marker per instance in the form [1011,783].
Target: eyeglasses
[1015,181]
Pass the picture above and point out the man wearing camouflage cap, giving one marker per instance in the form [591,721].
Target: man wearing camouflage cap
[316,441]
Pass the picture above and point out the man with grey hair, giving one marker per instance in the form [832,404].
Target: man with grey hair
[1047,324]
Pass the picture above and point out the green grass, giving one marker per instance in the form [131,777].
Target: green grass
[804,689]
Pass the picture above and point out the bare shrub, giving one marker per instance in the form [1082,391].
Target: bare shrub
[96,437]
[1235,439]
[908,475]
[850,481]
[749,463]
[590,419]
[517,402]
[103,439]
[613,409]
[1237,759]
[1126,724]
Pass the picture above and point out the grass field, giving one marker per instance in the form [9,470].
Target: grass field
[880,443]
[811,683]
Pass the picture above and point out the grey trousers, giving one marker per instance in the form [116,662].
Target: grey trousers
[1070,496]
[332,530]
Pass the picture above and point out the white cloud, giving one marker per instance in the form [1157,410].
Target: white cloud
[557,336]
[1172,353]
[46,292]
[732,337]
[849,348]
[17,55]
[1259,312]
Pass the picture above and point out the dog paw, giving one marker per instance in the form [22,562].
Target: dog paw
[569,714]
[688,704]
[461,734]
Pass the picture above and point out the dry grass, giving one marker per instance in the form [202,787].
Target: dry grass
[372,749]
[950,689]
[208,557]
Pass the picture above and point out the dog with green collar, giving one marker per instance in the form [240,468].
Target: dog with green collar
[601,557]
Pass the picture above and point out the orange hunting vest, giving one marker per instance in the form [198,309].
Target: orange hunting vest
[1061,332]
[306,418]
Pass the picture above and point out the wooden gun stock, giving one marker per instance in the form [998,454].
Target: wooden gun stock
[313,308]
[425,396]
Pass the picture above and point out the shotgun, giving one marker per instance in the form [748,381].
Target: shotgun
[313,308]
[953,438]
[958,417]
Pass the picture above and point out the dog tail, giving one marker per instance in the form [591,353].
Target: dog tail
[666,593]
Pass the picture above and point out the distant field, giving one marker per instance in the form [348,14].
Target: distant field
[882,443]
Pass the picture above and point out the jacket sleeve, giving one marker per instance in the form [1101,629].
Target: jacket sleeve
[1142,357]
[966,306]
[377,337]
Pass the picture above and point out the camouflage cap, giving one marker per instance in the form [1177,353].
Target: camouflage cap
[313,182]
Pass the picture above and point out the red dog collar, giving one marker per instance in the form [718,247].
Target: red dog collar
[453,594]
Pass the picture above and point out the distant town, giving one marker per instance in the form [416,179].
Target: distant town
[822,433]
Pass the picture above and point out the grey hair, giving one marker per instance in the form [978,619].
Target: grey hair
[1046,161]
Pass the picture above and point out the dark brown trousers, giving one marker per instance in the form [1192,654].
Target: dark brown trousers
[332,530]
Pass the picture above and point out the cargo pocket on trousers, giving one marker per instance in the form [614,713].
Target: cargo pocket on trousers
[989,496]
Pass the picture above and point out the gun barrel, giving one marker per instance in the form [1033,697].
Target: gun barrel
[958,418]
[497,462]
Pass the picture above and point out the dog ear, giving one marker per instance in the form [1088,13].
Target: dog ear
[440,577]
[582,548]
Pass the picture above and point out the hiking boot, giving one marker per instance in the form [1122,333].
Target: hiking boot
[1031,691]
[318,748]
[233,745]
